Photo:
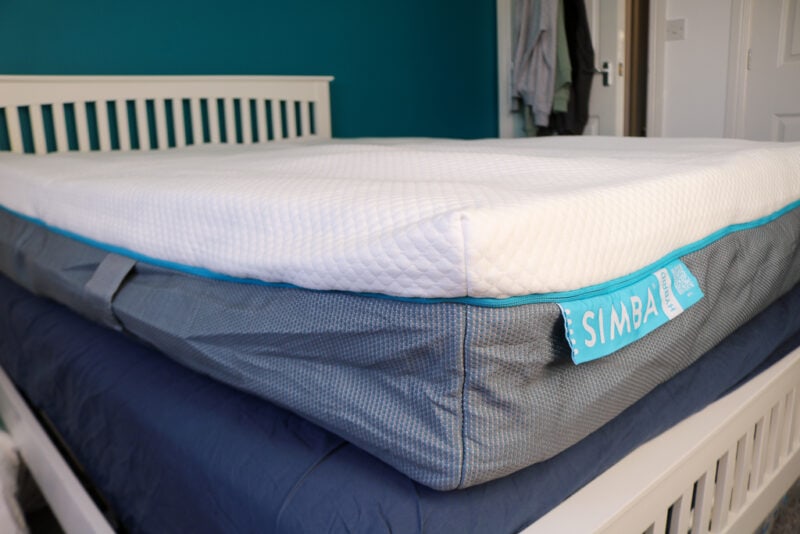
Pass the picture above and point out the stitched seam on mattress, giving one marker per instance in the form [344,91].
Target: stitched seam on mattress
[463,462]
[464,253]
[465,311]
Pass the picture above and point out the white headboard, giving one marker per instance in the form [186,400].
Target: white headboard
[59,113]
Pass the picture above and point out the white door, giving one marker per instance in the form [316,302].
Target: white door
[772,91]
[607,101]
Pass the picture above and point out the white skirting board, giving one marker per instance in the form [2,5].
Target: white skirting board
[72,506]
[734,460]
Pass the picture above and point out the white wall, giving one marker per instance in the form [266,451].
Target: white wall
[696,69]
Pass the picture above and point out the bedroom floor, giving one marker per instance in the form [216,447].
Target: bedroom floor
[786,518]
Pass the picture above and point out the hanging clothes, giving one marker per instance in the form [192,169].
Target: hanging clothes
[581,54]
[563,77]
[534,67]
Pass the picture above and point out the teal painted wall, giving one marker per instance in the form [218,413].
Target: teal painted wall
[402,67]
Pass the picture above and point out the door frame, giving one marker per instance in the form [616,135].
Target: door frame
[655,69]
[505,120]
[736,92]
[657,38]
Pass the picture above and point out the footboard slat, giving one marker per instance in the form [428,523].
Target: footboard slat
[795,432]
[724,489]
[775,436]
[759,452]
[785,446]
[681,514]
[744,458]
[703,502]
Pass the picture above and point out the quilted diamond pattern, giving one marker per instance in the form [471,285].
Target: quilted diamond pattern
[411,218]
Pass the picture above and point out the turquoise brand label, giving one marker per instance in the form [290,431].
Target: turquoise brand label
[597,326]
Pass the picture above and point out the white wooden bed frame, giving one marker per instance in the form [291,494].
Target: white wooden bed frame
[721,470]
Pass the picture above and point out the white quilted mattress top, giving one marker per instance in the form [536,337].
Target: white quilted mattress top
[411,218]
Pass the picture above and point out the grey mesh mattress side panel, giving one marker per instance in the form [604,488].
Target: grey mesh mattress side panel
[450,394]
[519,376]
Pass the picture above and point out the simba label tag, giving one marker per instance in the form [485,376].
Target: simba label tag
[600,325]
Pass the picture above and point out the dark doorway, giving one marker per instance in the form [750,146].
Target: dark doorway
[637,18]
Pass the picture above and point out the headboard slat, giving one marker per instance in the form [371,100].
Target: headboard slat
[37,129]
[247,121]
[82,126]
[220,98]
[14,129]
[60,128]
[142,125]
[277,129]
[291,120]
[160,106]
[197,121]
[230,120]
[123,125]
[305,113]
[179,122]
[103,127]
[213,119]
[261,120]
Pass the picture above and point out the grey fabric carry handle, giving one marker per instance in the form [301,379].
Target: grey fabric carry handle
[99,291]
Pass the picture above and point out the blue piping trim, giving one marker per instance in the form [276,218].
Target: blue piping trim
[536,298]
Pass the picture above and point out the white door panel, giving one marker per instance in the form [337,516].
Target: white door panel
[772,101]
[607,103]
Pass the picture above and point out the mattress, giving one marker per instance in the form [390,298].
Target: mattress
[174,451]
[360,284]
[437,218]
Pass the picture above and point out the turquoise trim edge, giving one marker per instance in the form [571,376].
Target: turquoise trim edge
[536,298]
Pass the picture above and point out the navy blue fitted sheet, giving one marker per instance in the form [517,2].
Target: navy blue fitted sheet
[175,451]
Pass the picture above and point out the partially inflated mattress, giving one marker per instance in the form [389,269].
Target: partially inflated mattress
[425,300]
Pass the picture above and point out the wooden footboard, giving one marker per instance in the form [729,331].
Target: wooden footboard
[721,470]
[71,504]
